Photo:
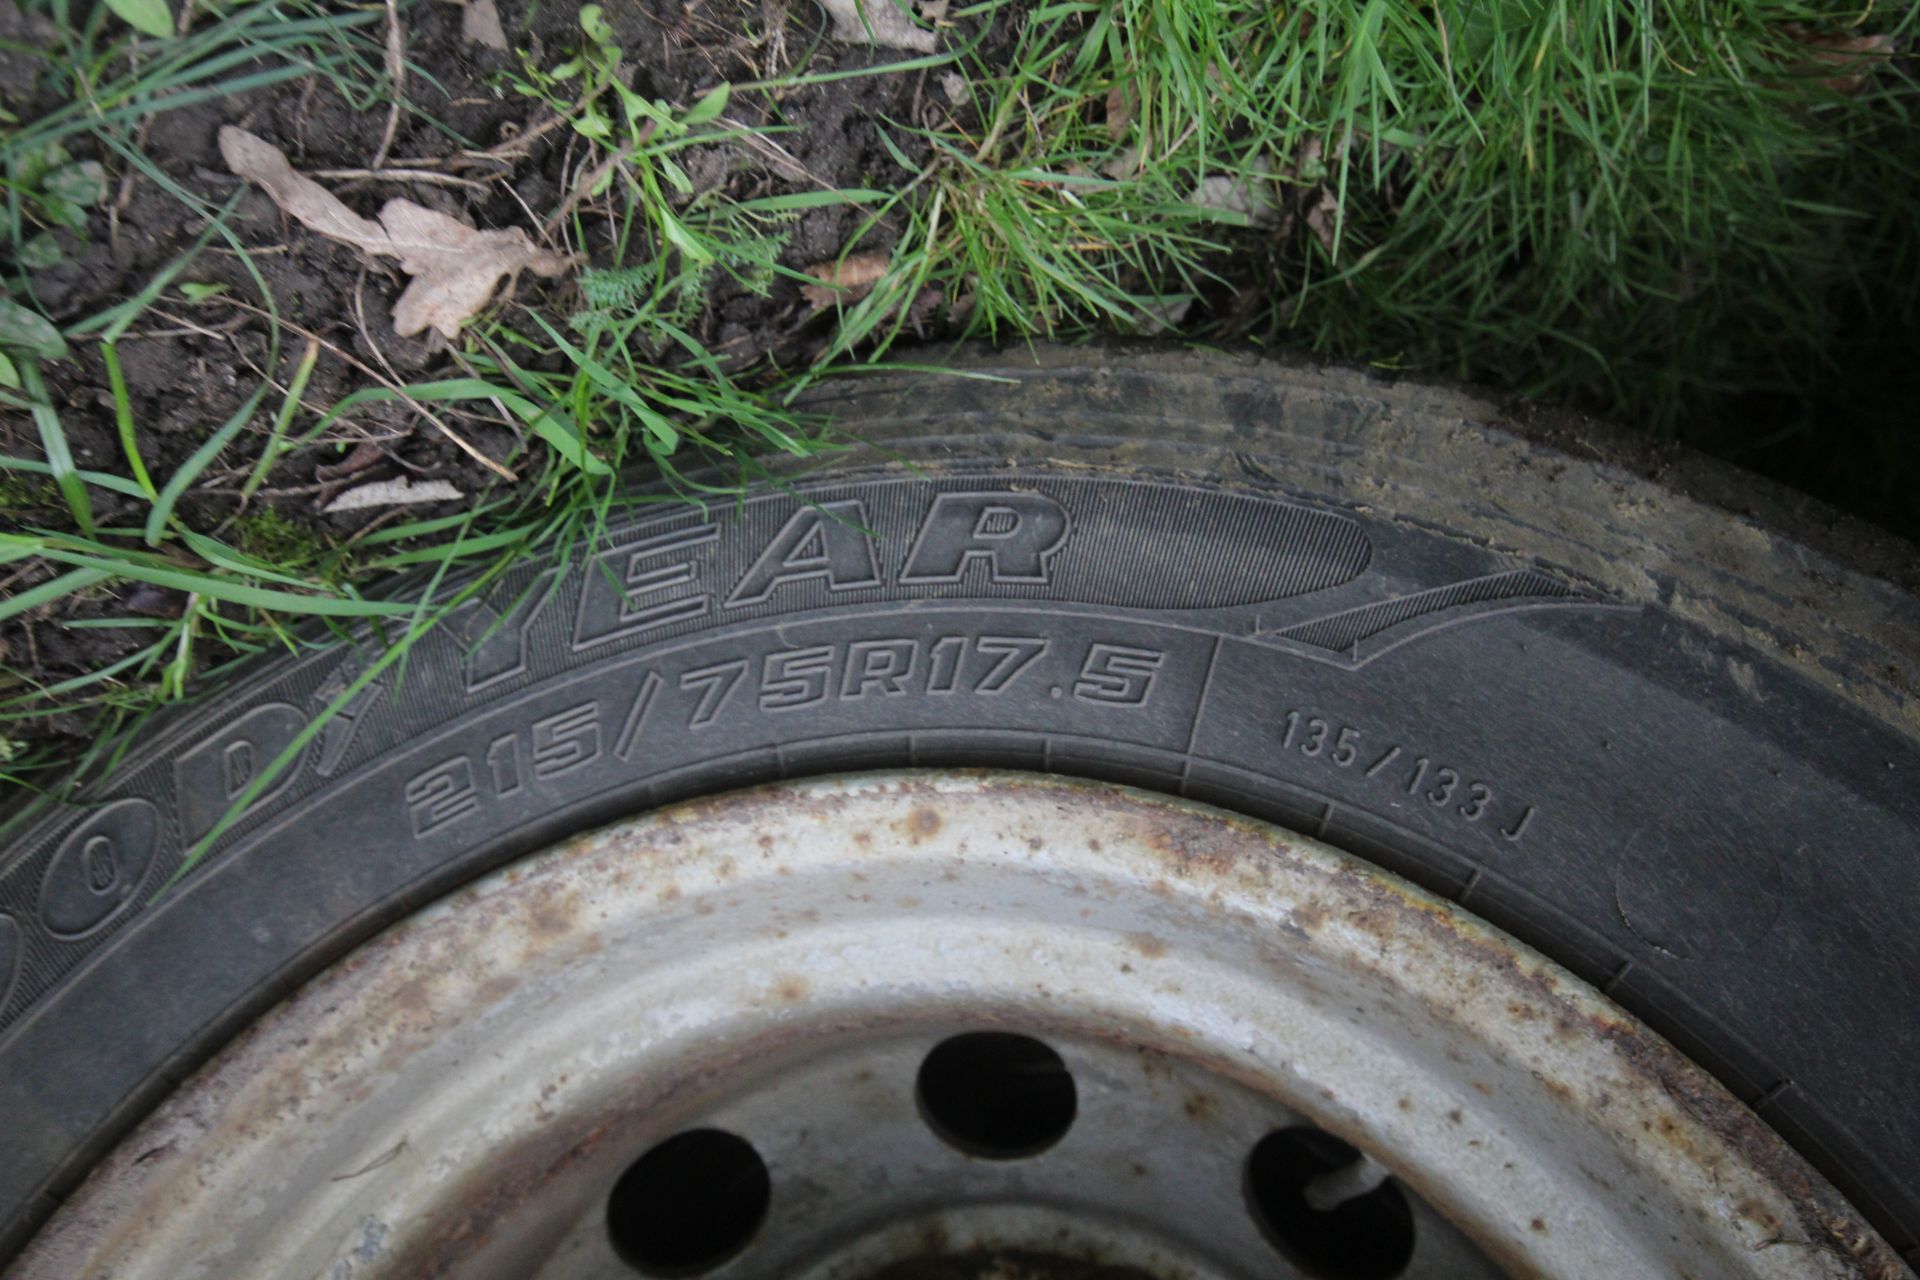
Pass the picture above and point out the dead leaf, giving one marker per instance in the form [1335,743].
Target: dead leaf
[455,266]
[1125,163]
[1122,102]
[1309,176]
[392,493]
[1853,59]
[316,208]
[480,24]
[1164,314]
[844,280]
[924,307]
[1249,195]
[877,22]
[1323,218]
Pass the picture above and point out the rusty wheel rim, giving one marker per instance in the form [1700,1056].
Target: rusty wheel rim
[915,1023]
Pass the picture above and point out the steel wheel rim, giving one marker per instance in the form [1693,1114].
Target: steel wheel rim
[461,1095]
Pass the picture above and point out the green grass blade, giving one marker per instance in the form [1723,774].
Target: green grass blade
[52,589]
[665,435]
[190,470]
[212,587]
[53,440]
[123,419]
[276,438]
[149,17]
[98,479]
[809,200]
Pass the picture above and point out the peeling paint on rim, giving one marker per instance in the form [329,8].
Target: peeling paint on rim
[457,1096]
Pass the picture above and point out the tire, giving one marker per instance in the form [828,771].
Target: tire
[1646,715]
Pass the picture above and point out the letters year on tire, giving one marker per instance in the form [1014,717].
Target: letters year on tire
[1644,714]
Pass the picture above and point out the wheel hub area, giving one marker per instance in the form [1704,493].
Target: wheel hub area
[947,1025]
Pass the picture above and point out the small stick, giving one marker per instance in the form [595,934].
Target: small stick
[397,74]
[189,326]
[773,151]
[384,518]
[518,140]
[120,201]
[379,352]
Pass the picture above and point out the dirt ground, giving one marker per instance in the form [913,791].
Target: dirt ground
[186,376]
[492,157]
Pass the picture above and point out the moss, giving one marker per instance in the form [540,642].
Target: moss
[19,494]
[268,536]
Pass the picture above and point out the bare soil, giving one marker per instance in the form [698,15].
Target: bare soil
[496,160]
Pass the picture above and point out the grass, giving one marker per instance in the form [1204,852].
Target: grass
[106,85]
[1688,215]
[1632,218]
[1621,206]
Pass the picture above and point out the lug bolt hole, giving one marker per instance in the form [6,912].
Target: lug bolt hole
[996,1095]
[1327,1209]
[689,1204]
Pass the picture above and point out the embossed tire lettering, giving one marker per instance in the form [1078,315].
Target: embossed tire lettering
[1673,745]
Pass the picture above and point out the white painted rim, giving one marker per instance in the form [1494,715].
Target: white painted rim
[460,1094]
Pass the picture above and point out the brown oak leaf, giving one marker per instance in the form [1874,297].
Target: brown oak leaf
[455,266]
